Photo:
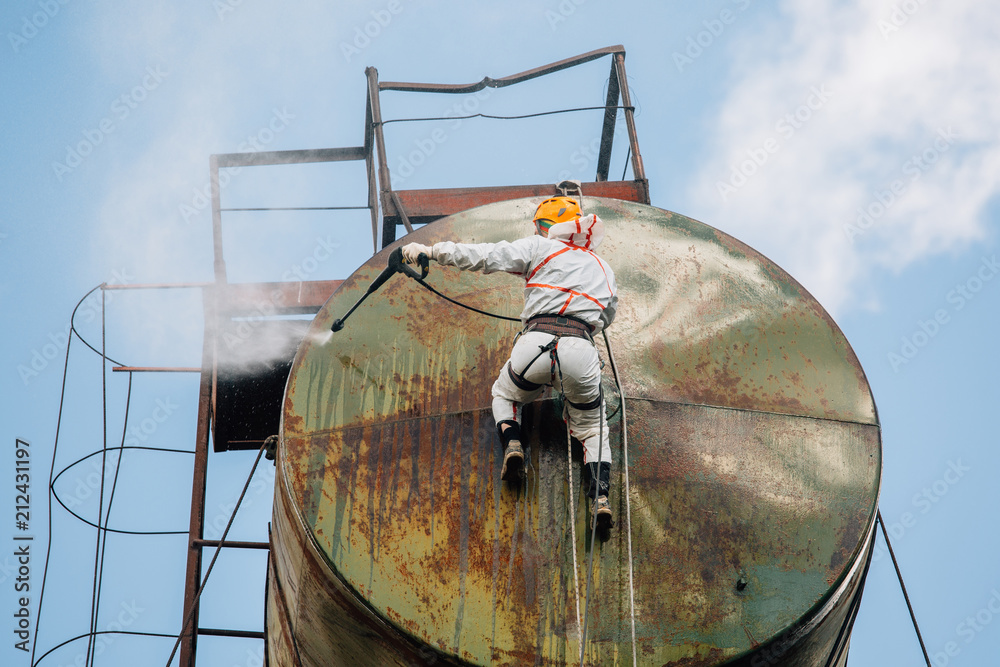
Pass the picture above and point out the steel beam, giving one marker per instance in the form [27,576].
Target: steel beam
[608,131]
[638,171]
[156,369]
[447,201]
[242,634]
[196,526]
[504,81]
[370,171]
[219,262]
[264,158]
[286,298]
[231,544]
[108,286]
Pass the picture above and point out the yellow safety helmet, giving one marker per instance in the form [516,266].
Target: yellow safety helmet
[555,210]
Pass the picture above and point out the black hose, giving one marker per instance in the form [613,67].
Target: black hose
[467,307]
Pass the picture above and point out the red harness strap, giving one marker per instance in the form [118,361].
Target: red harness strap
[545,261]
[571,292]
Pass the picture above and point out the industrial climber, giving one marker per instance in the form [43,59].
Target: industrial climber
[569,295]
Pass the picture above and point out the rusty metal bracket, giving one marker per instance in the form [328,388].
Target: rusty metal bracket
[424,206]
[527,75]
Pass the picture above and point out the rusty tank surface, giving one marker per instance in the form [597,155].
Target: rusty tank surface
[754,467]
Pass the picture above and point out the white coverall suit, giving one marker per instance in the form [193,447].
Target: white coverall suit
[562,276]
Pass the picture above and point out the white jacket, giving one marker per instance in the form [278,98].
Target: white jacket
[562,274]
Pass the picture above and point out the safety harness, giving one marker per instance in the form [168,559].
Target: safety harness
[558,326]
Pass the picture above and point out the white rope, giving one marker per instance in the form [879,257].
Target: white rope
[572,516]
[572,500]
[628,504]
[593,532]
[593,528]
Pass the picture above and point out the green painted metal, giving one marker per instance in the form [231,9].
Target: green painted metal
[755,462]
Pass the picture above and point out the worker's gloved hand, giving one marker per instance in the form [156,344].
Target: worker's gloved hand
[411,251]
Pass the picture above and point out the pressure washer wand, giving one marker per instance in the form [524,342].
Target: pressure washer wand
[393,266]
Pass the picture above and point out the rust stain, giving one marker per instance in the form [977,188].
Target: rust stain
[739,416]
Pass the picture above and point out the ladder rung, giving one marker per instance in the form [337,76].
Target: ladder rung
[229,544]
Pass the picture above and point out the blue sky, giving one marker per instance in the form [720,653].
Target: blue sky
[852,142]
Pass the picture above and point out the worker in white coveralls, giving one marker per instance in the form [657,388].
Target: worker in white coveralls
[569,295]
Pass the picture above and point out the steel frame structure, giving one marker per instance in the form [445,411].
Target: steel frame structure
[224,300]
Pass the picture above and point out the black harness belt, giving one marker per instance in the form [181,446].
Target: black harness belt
[590,405]
[520,381]
[560,325]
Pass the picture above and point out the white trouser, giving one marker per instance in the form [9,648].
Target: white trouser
[580,382]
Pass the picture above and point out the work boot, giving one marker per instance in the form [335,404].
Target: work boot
[513,462]
[513,455]
[602,508]
[600,484]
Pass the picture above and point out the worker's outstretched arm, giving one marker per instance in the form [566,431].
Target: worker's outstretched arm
[512,257]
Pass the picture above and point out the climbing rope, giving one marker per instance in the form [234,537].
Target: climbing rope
[593,537]
[572,527]
[628,503]
[571,492]
[628,513]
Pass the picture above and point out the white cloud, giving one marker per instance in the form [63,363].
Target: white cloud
[852,98]
[225,84]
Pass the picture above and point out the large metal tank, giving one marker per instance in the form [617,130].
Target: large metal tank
[754,461]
